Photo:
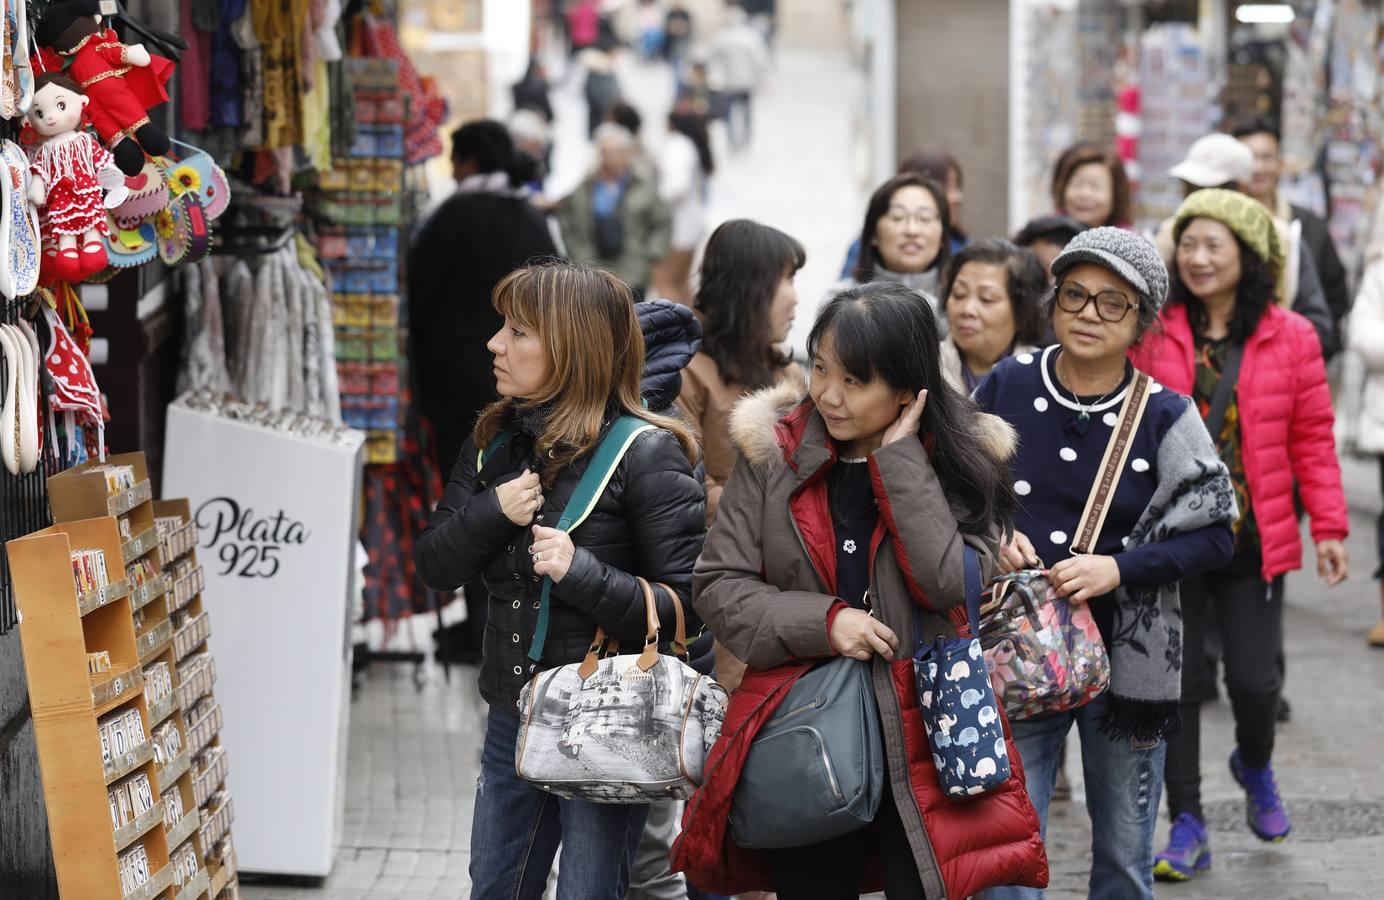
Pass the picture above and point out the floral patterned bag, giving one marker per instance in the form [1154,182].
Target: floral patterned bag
[1043,654]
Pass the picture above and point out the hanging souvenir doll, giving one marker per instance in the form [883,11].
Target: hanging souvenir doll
[72,171]
[123,81]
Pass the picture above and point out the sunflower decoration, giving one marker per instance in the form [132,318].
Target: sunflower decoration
[184,179]
[165,225]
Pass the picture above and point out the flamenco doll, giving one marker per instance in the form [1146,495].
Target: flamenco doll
[71,172]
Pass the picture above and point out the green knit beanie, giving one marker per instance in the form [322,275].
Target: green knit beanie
[1242,214]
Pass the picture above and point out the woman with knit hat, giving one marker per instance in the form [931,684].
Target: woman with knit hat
[1255,371]
[1167,518]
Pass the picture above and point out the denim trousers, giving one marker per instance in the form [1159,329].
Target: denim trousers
[516,831]
[1124,781]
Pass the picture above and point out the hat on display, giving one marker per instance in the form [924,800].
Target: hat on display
[1249,219]
[1126,253]
[1215,160]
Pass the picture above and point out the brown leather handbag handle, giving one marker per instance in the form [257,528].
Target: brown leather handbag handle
[649,658]
[679,644]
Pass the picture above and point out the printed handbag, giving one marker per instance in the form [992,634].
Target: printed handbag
[620,729]
[815,771]
[1043,654]
[960,713]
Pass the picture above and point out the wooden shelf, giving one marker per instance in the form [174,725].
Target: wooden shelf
[118,768]
[140,544]
[176,768]
[126,835]
[154,641]
[56,639]
[94,600]
[163,709]
[219,879]
[108,693]
[195,887]
[156,885]
[148,592]
[119,504]
[187,826]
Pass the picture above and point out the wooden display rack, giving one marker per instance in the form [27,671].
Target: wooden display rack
[172,627]
[57,636]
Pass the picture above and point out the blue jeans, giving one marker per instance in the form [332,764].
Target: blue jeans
[517,828]
[1124,781]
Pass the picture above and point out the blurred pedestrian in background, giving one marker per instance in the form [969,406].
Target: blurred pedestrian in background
[677,33]
[1261,137]
[685,166]
[906,238]
[1047,236]
[615,218]
[602,87]
[531,91]
[941,167]
[1089,184]
[484,231]
[1361,424]
[738,59]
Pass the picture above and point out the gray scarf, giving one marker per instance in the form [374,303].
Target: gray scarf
[1193,491]
[925,283]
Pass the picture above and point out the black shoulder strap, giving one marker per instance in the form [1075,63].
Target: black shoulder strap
[1225,389]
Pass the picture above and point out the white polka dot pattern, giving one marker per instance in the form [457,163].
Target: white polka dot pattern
[1068,454]
[1022,488]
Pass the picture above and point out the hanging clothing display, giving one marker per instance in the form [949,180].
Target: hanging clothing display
[259,327]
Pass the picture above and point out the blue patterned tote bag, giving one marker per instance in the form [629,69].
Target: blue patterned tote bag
[958,704]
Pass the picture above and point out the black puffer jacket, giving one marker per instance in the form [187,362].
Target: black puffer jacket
[650,521]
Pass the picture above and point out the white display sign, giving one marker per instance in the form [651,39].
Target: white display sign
[276,518]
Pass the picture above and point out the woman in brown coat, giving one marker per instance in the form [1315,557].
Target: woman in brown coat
[843,522]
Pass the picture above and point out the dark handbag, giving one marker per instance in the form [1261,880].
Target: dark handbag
[610,236]
[959,709]
[815,771]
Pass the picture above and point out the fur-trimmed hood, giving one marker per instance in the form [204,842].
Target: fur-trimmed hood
[763,422]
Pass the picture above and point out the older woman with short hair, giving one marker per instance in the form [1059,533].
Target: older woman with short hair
[1167,518]
[993,294]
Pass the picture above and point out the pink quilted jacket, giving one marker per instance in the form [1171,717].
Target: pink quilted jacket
[1286,421]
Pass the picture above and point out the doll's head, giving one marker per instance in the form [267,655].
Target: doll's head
[67,22]
[57,106]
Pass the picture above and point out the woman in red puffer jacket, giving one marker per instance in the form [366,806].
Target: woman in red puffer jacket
[1276,431]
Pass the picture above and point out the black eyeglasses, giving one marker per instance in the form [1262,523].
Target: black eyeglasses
[1111,306]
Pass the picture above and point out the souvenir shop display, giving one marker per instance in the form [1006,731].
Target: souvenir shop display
[1175,111]
[181,719]
[91,731]
[275,495]
[362,197]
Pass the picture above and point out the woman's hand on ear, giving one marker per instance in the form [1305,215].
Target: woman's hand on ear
[907,422]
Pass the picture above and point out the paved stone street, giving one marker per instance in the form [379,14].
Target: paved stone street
[413,753]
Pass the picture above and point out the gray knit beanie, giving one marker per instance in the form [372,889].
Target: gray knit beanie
[1127,254]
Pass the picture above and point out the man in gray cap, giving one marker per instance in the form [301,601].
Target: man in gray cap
[1220,161]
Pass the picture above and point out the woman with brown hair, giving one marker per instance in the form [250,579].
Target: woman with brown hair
[1089,184]
[568,362]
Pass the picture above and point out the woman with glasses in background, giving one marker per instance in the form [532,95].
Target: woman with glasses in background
[1168,518]
[906,239]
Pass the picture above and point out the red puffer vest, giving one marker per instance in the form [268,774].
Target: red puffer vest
[1286,425]
[977,842]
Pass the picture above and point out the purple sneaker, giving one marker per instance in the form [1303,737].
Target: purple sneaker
[1188,853]
[1264,809]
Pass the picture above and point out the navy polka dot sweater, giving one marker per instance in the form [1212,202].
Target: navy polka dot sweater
[1057,461]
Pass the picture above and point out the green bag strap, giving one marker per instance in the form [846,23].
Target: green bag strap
[588,490]
[499,440]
